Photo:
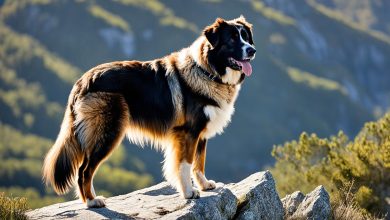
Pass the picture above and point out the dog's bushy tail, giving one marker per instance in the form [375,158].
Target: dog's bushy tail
[65,156]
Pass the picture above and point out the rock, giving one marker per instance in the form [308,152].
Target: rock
[217,204]
[291,202]
[157,202]
[315,205]
[257,197]
[253,198]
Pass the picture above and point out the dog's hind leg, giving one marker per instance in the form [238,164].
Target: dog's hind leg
[198,167]
[99,154]
[101,123]
[80,180]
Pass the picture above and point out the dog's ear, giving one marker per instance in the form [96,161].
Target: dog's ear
[212,32]
[241,18]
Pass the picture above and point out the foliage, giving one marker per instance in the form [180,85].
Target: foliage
[167,16]
[117,180]
[12,208]
[34,198]
[348,208]
[23,47]
[336,162]
[28,102]
[109,18]
[21,158]
[11,6]
[348,22]
[271,13]
[314,81]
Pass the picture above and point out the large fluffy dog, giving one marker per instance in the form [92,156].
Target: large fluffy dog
[176,103]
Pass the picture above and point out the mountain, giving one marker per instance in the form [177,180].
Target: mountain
[321,66]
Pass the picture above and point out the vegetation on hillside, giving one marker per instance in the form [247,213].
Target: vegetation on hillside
[313,81]
[21,157]
[109,18]
[166,15]
[355,172]
[24,47]
[271,13]
[334,14]
[12,207]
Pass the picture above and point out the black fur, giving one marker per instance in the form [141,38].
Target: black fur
[145,90]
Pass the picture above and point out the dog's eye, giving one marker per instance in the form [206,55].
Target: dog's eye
[244,35]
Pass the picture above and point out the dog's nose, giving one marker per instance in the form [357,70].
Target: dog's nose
[250,51]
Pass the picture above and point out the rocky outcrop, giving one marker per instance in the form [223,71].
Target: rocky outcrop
[291,202]
[257,198]
[314,205]
[253,198]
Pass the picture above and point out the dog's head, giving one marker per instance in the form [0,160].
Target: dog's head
[231,45]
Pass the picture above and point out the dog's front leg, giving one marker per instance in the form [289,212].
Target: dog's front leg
[198,167]
[177,165]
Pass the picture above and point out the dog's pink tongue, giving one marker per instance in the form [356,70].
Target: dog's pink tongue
[246,67]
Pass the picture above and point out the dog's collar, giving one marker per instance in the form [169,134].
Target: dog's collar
[211,76]
[218,79]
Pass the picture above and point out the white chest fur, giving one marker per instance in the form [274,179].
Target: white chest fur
[231,76]
[219,117]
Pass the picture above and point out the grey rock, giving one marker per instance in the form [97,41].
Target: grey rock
[253,198]
[315,205]
[257,197]
[291,202]
[156,202]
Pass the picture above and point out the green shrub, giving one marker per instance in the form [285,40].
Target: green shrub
[12,208]
[362,164]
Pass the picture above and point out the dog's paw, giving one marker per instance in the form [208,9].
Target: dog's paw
[208,185]
[192,194]
[97,202]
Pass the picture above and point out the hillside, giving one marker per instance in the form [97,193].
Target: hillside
[318,69]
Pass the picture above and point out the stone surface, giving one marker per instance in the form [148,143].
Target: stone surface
[315,205]
[291,202]
[253,198]
[157,202]
[257,197]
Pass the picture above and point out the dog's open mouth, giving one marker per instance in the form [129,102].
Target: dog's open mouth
[243,65]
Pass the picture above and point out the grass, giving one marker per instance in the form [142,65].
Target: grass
[166,15]
[11,6]
[349,211]
[12,208]
[109,18]
[345,209]
[21,95]
[338,16]
[271,13]
[314,81]
[25,47]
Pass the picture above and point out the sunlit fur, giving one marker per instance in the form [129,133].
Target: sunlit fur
[168,103]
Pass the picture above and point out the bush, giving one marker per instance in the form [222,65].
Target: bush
[12,208]
[362,165]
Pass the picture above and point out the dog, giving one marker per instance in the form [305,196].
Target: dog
[175,103]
